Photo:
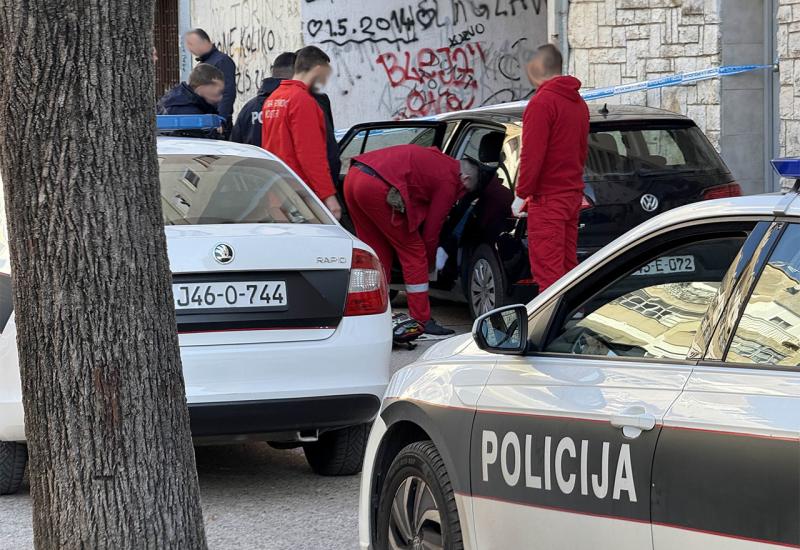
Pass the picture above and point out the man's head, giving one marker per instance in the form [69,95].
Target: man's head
[208,82]
[198,42]
[545,64]
[283,66]
[470,174]
[313,67]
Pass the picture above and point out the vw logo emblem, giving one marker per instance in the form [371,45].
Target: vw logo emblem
[649,202]
[223,253]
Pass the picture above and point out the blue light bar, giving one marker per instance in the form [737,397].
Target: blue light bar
[188,122]
[787,167]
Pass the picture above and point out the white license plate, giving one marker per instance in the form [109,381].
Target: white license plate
[668,264]
[246,294]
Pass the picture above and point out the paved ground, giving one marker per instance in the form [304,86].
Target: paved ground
[255,497]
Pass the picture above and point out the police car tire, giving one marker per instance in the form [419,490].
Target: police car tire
[421,459]
[13,457]
[338,452]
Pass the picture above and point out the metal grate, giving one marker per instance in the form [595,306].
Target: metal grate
[167,44]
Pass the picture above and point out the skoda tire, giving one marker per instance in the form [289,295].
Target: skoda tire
[338,452]
[417,507]
[13,457]
[485,289]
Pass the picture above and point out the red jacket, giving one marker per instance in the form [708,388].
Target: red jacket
[428,180]
[294,131]
[555,134]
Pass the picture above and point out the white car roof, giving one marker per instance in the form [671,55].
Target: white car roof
[195,146]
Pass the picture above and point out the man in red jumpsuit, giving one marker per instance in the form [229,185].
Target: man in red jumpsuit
[398,199]
[555,133]
[294,127]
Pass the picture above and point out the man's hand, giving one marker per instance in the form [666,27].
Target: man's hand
[333,205]
[519,207]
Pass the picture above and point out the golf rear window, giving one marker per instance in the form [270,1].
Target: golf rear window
[651,150]
[210,189]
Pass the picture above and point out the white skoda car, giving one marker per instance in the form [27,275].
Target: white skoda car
[285,328]
[648,400]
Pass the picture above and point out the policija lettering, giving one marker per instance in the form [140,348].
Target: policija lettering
[439,80]
[512,460]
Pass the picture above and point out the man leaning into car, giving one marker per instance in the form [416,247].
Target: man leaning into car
[555,133]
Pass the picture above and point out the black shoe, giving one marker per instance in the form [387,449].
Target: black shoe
[432,328]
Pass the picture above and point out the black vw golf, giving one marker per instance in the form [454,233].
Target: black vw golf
[642,161]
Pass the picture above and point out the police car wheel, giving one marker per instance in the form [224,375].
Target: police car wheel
[417,507]
[13,457]
[338,452]
[485,284]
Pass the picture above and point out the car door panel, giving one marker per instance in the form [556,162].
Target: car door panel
[727,466]
[578,477]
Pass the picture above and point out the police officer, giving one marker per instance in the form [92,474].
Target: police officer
[200,45]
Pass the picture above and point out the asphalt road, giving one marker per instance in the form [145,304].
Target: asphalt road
[256,497]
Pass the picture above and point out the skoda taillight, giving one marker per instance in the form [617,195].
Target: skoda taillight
[368,293]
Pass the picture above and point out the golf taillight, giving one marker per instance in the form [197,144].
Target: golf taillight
[368,293]
[586,203]
[722,191]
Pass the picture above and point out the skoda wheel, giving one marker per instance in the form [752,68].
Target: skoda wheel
[417,507]
[485,284]
[13,457]
[338,452]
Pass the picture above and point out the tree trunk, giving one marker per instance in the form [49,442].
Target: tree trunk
[111,459]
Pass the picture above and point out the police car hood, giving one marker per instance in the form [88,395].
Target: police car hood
[461,344]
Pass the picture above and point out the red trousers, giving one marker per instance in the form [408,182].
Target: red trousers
[553,236]
[386,231]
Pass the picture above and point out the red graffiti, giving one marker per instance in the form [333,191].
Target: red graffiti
[440,80]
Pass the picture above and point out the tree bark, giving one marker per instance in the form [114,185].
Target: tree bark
[111,458]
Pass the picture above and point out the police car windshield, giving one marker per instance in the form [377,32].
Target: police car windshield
[212,189]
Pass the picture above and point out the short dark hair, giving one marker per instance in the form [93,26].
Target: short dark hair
[310,57]
[284,64]
[552,60]
[200,34]
[203,74]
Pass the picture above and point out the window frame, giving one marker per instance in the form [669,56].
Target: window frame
[632,255]
[737,307]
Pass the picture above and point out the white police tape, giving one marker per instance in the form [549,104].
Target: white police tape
[671,80]
[677,79]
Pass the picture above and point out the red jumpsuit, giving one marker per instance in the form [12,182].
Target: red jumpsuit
[555,134]
[294,130]
[429,182]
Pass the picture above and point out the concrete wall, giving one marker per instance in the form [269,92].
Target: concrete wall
[252,32]
[396,59]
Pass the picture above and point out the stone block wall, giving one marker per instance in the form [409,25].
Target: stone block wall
[623,41]
[788,45]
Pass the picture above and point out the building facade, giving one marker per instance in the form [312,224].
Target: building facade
[400,59]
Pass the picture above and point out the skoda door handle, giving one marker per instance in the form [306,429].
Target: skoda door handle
[633,421]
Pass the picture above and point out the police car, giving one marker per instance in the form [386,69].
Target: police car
[285,328]
[648,400]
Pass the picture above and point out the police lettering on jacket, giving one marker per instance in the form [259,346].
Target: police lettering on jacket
[511,459]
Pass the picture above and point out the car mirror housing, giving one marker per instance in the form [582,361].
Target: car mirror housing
[503,330]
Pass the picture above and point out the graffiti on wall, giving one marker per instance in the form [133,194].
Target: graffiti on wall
[252,32]
[399,59]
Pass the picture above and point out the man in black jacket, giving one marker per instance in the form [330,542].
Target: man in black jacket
[248,122]
[199,96]
[200,46]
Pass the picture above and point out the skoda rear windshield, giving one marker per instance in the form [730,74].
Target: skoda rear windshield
[211,189]
[651,150]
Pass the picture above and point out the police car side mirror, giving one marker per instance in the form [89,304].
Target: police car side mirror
[503,330]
